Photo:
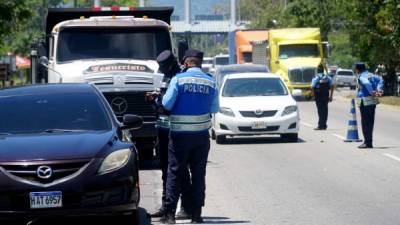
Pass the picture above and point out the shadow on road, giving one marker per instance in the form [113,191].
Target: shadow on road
[258,140]
[222,220]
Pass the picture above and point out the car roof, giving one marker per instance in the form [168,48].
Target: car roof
[251,75]
[46,89]
[243,68]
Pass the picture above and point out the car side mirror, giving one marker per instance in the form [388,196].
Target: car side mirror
[131,122]
[296,93]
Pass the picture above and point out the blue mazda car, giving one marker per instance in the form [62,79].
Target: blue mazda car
[64,153]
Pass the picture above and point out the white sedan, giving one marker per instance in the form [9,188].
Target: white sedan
[255,104]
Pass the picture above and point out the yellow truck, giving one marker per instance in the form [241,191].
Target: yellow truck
[294,54]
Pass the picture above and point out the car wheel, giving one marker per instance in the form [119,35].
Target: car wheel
[131,219]
[213,134]
[220,139]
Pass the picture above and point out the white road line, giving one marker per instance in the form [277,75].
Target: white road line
[306,124]
[391,156]
[339,136]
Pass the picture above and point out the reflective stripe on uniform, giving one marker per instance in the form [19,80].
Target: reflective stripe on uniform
[190,127]
[370,100]
[195,80]
[190,119]
[163,122]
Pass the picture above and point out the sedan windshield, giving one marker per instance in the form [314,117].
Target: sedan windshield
[244,87]
[52,113]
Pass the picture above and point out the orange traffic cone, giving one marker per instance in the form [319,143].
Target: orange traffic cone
[352,131]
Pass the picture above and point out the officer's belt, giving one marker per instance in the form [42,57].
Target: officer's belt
[369,100]
[190,119]
[190,127]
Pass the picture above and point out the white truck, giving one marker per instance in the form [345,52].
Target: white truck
[114,48]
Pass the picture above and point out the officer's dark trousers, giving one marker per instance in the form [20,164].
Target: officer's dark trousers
[187,150]
[322,107]
[163,139]
[367,122]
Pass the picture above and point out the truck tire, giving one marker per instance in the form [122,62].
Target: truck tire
[220,139]
[145,147]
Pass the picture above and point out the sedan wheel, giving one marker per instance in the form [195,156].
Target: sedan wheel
[220,139]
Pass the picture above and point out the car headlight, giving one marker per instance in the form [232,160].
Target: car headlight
[226,111]
[115,161]
[289,110]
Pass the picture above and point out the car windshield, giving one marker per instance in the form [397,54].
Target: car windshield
[244,87]
[345,73]
[222,73]
[55,112]
[122,43]
[298,50]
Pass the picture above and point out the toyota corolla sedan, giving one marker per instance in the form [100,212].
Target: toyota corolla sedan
[255,104]
[63,153]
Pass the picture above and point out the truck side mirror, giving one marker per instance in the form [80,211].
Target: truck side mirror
[326,49]
[43,60]
[182,47]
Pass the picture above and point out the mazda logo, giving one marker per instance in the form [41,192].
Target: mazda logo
[44,172]
[258,112]
[119,105]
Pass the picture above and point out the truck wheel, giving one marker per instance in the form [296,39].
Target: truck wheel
[220,139]
[145,147]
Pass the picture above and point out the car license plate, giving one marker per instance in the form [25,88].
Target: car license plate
[259,125]
[43,200]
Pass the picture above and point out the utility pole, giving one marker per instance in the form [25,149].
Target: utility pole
[233,12]
[187,12]
[97,3]
[141,3]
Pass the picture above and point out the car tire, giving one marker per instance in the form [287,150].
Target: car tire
[292,138]
[131,219]
[220,139]
[213,136]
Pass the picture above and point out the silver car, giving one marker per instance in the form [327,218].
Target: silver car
[345,78]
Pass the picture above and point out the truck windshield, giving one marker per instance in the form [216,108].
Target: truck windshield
[298,50]
[112,43]
[221,60]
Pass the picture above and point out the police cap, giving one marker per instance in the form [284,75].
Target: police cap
[193,53]
[360,66]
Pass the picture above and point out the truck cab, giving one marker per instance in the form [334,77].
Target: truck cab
[295,54]
[115,49]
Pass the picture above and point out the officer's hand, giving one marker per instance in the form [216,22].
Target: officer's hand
[330,99]
[151,96]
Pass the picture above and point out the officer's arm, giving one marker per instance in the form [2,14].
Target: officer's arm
[171,95]
[365,83]
[215,103]
[380,84]
[314,82]
[332,88]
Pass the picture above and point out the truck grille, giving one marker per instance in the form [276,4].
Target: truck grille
[131,103]
[58,170]
[302,75]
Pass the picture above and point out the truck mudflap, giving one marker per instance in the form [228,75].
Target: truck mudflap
[57,15]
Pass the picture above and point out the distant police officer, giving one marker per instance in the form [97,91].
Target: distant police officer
[322,90]
[369,88]
[169,66]
[192,98]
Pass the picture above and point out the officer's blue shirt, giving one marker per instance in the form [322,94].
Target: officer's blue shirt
[368,83]
[321,78]
[171,95]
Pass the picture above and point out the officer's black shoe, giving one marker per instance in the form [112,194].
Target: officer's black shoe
[365,146]
[168,218]
[183,214]
[196,216]
[158,213]
[320,128]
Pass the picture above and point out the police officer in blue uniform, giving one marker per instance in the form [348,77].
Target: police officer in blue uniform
[169,66]
[191,98]
[369,88]
[322,90]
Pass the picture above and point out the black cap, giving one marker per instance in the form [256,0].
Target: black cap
[165,58]
[193,53]
[360,66]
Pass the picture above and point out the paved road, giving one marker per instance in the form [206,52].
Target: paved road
[320,180]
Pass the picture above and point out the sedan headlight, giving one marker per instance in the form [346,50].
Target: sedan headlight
[115,161]
[289,110]
[226,111]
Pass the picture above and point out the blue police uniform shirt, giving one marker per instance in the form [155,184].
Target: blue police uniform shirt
[320,77]
[191,97]
[368,83]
